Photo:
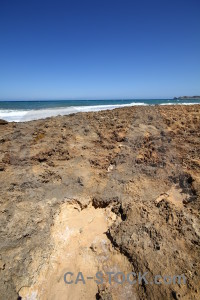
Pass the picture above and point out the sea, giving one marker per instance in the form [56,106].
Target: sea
[21,111]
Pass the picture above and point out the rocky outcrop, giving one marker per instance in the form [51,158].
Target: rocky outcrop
[111,190]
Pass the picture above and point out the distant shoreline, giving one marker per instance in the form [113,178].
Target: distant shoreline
[186,97]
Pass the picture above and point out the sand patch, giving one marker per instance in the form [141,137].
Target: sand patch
[80,245]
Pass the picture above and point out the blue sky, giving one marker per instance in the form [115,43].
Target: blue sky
[99,49]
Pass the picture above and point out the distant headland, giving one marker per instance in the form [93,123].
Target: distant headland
[186,97]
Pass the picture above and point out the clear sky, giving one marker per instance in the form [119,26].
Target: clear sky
[99,49]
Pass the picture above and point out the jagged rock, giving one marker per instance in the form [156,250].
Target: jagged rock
[120,192]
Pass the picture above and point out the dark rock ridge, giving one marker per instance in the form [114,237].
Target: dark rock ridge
[3,122]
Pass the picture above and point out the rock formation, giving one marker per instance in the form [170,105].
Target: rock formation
[102,191]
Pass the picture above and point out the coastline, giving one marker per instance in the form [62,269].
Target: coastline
[131,174]
[21,111]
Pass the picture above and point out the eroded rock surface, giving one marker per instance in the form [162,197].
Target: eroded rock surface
[113,190]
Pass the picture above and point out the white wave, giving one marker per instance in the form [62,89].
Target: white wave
[186,103]
[182,103]
[28,115]
[24,115]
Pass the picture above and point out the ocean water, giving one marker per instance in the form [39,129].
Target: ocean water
[20,111]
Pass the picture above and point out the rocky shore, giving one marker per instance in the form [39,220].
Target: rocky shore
[102,191]
[187,97]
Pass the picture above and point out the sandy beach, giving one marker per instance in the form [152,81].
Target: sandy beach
[115,190]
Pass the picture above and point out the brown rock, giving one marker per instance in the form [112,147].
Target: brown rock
[120,192]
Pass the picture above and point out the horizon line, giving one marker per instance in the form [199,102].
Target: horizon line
[80,99]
